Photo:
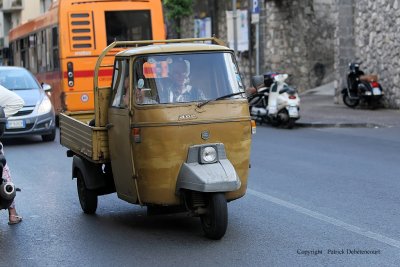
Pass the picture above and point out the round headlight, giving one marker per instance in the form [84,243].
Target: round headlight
[209,154]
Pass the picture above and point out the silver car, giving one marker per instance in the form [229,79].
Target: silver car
[37,117]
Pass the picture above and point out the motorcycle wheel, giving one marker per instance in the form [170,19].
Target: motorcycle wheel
[215,221]
[374,103]
[274,122]
[351,103]
[265,120]
[290,124]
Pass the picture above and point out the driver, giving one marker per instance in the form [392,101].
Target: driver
[179,87]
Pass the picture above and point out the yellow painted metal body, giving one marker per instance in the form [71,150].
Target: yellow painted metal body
[165,141]
[148,169]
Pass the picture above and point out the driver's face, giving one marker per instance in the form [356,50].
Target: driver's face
[179,72]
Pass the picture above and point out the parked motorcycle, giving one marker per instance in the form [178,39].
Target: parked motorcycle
[361,88]
[274,101]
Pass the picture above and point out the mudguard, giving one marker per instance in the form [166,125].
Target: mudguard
[92,173]
[219,176]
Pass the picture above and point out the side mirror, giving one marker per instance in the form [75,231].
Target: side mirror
[46,87]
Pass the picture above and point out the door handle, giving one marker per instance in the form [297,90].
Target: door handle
[109,126]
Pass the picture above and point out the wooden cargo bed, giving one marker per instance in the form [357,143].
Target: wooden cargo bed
[88,141]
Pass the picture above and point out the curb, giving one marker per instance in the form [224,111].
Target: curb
[339,125]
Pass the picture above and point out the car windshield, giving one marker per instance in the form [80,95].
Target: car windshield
[194,77]
[17,79]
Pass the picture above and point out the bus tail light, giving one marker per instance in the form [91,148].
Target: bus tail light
[70,74]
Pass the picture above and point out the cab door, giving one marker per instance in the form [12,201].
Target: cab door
[119,132]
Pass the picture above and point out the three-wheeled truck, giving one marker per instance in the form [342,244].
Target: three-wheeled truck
[159,150]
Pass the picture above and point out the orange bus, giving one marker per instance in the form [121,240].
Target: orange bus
[61,46]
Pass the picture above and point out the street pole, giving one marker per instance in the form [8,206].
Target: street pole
[257,48]
[261,42]
[234,15]
[255,19]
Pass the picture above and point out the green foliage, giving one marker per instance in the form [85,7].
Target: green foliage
[176,9]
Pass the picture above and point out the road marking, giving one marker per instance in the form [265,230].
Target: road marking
[322,217]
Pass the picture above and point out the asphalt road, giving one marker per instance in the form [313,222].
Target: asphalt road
[317,197]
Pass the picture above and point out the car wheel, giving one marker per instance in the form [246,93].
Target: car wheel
[49,137]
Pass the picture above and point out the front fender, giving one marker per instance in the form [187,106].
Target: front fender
[220,176]
[92,173]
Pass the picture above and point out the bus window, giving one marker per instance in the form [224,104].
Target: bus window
[121,27]
[49,58]
[43,61]
[24,52]
[33,53]
[55,48]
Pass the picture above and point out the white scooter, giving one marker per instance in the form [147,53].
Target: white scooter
[277,104]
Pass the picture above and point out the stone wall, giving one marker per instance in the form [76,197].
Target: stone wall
[299,41]
[377,40]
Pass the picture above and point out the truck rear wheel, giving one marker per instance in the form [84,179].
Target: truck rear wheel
[215,220]
[87,198]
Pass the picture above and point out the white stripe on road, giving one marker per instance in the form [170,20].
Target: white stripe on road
[319,216]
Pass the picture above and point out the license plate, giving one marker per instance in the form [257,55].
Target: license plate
[376,91]
[293,112]
[16,124]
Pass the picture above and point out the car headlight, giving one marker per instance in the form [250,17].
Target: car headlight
[208,154]
[44,106]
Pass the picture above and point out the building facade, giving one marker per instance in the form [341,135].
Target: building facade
[14,13]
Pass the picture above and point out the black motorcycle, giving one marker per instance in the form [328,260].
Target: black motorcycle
[361,88]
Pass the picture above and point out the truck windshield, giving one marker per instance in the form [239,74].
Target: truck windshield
[184,78]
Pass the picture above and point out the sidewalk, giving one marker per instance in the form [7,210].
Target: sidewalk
[317,109]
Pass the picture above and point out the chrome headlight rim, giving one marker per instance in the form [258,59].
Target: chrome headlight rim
[208,154]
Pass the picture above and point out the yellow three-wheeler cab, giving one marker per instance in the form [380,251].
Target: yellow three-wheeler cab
[179,130]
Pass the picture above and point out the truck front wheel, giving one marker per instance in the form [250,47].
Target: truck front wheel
[215,220]
[87,198]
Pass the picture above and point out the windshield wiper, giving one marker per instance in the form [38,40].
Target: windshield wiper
[218,98]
